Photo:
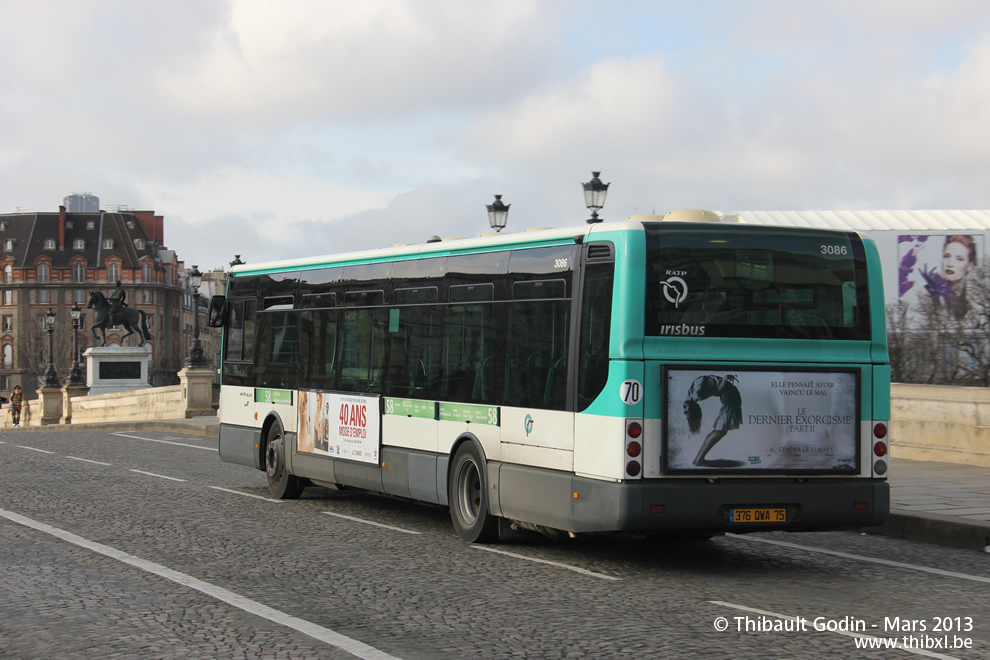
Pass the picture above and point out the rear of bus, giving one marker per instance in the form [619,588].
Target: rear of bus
[765,378]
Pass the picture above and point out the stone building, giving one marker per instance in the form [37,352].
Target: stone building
[53,260]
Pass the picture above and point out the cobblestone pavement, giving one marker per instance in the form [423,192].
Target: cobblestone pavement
[311,579]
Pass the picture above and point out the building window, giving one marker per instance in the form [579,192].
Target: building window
[8,274]
[148,298]
[68,224]
[108,244]
[3,226]
[79,296]
[9,244]
[49,243]
[139,243]
[78,272]
[5,383]
[8,356]
[8,323]
[113,272]
[91,224]
[44,273]
[44,297]
[146,273]
[8,297]
[79,244]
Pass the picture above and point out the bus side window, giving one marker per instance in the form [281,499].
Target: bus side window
[596,319]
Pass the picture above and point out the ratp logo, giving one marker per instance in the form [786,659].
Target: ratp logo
[528,424]
[675,290]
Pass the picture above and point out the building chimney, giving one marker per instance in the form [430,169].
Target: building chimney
[61,227]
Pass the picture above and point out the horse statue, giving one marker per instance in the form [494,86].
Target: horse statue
[128,317]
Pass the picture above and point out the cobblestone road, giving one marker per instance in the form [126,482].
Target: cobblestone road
[144,545]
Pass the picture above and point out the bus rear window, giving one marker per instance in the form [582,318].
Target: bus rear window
[764,282]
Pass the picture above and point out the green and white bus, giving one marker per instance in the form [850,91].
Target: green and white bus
[648,376]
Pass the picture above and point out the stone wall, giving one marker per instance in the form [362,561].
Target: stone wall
[192,397]
[149,403]
[940,423]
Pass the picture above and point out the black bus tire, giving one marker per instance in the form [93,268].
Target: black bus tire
[467,495]
[281,484]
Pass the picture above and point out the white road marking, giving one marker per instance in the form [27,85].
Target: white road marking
[352,646]
[160,476]
[899,645]
[576,569]
[872,560]
[257,497]
[76,458]
[43,451]
[164,442]
[368,522]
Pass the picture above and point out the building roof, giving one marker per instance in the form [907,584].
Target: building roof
[911,221]
[30,231]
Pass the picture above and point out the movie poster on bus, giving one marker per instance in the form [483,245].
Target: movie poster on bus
[746,420]
[343,426]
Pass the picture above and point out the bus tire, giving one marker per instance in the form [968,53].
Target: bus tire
[467,495]
[281,484]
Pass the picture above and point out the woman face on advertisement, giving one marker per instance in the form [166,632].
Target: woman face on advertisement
[955,262]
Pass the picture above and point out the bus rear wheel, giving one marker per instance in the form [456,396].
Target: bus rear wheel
[467,494]
[281,484]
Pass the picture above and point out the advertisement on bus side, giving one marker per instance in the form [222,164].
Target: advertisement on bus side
[343,426]
[760,420]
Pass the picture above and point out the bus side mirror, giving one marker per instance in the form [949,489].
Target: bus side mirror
[218,312]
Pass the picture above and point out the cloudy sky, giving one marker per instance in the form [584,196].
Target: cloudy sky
[287,129]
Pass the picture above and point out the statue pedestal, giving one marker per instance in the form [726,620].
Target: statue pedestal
[117,368]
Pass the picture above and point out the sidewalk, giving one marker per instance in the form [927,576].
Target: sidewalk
[943,503]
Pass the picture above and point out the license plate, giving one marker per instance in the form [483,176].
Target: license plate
[757,515]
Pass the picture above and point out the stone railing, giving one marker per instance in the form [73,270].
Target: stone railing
[940,423]
[192,397]
[928,422]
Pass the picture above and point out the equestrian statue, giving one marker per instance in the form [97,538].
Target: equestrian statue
[114,312]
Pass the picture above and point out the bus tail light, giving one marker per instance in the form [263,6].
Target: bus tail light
[634,448]
[880,448]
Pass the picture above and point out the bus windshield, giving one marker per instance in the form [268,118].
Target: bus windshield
[781,283]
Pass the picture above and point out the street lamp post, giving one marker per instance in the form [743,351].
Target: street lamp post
[498,213]
[51,376]
[196,356]
[76,375]
[594,196]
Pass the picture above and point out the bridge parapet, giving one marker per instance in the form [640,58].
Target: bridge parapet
[940,423]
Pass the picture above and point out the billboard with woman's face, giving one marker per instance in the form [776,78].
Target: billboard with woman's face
[937,268]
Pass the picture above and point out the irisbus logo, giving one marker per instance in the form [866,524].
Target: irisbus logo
[528,424]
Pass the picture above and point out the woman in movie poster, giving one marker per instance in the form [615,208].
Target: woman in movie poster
[940,266]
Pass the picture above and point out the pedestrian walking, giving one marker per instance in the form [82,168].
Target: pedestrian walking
[16,401]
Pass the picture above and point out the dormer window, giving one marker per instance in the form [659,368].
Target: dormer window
[139,243]
[91,224]
[3,226]
[79,244]
[49,243]
[9,244]
[108,244]
[68,224]
[130,224]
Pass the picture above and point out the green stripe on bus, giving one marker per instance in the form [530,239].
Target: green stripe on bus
[465,412]
[262,395]
[411,408]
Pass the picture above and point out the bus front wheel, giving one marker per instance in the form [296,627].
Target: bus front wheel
[467,494]
[282,485]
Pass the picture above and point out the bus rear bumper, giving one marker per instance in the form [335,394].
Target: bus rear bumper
[700,504]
